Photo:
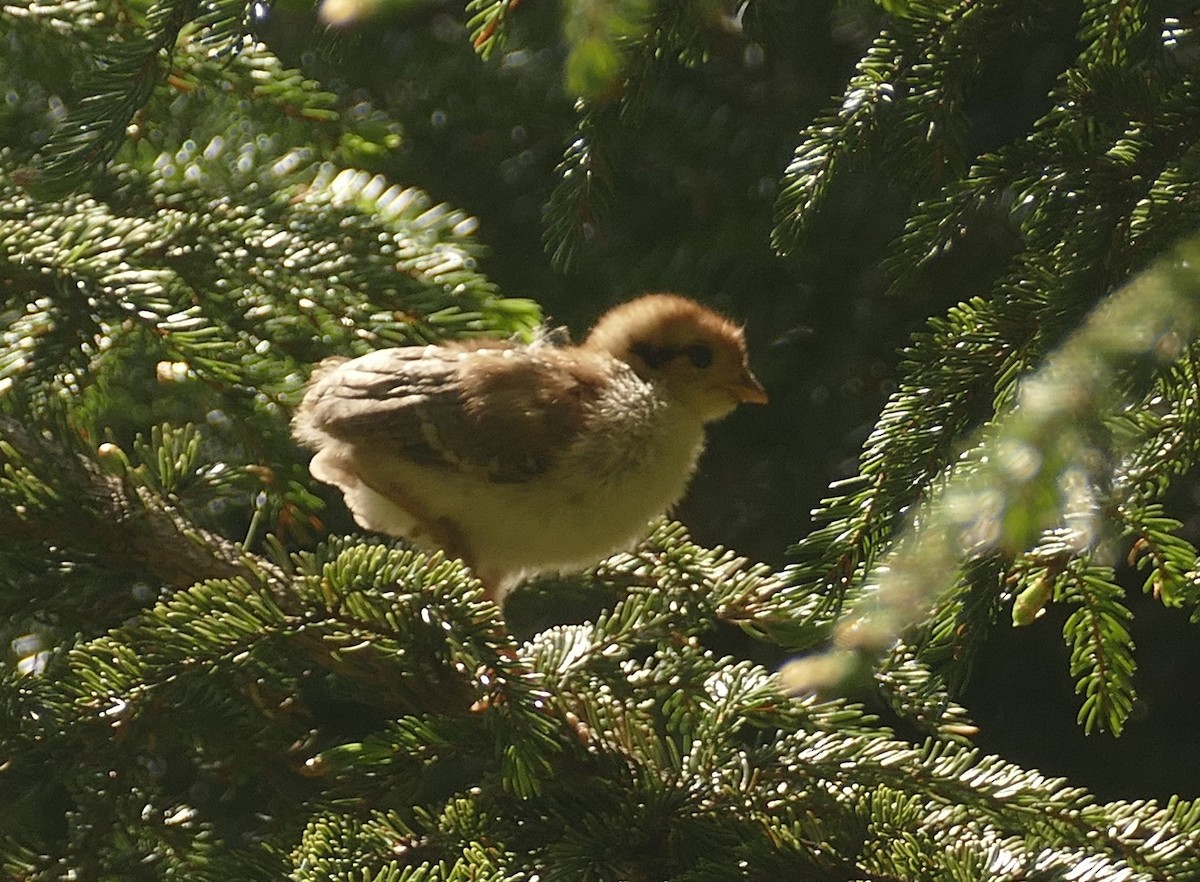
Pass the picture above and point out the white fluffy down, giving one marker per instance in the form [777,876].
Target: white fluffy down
[598,497]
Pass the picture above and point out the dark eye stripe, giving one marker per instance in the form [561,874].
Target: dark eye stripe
[655,357]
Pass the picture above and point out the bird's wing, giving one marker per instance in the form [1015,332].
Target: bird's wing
[501,410]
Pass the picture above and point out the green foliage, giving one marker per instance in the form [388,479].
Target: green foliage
[158,297]
[205,680]
[1101,647]
[615,56]
[605,37]
[369,708]
[123,79]
[1066,460]
[595,32]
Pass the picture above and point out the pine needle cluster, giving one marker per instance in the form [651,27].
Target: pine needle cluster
[205,680]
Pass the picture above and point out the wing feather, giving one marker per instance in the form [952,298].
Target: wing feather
[502,410]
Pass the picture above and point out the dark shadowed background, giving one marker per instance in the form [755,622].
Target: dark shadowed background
[690,208]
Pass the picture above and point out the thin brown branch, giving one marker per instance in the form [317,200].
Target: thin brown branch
[128,528]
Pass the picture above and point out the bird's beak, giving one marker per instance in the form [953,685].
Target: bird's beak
[748,390]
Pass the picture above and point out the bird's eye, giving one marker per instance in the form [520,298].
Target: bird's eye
[699,355]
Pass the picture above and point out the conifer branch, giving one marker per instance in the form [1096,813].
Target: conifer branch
[1139,335]
[122,81]
[97,514]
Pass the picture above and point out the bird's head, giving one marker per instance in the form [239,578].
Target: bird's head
[696,355]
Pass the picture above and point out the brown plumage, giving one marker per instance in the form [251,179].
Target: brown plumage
[523,459]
